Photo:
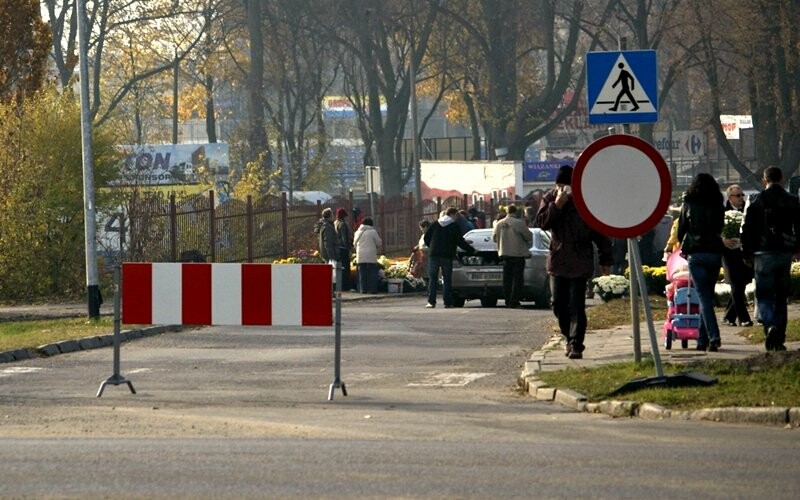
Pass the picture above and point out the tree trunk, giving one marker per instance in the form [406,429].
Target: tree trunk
[211,118]
[257,133]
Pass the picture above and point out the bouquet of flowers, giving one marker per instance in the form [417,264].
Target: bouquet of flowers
[610,287]
[733,221]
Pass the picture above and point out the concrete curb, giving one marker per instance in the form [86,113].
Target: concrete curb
[772,416]
[86,343]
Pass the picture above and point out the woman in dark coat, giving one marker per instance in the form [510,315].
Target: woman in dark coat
[700,233]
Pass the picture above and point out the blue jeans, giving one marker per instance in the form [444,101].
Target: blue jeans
[704,269]
[446,265]
[773,285]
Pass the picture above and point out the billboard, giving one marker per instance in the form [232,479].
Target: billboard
[169,164]
[680,143]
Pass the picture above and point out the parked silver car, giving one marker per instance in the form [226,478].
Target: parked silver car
[480,276]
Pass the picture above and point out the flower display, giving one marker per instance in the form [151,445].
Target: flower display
[396,270]
[733,223]
[610,287]
[300,256]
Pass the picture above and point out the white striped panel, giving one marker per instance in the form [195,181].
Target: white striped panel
[167,290]
[287,294]
[226,294]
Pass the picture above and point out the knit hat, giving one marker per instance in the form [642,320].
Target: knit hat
[326,213]
[564,175]
[341,213]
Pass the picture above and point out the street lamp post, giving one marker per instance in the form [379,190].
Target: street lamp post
[94,298]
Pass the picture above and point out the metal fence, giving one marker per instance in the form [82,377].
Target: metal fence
[195,228]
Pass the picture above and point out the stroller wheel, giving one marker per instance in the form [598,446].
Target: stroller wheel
[684,344]
[668,340]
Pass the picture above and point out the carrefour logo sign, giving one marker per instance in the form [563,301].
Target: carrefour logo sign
[680,144]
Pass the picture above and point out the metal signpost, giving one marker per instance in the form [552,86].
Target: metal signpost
[373,183]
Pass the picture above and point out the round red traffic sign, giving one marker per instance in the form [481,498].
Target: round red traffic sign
[621,186]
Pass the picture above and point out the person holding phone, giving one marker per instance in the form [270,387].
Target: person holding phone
[571,259]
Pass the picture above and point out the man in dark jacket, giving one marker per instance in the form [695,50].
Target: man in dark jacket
[442,237]
[769,239]
[344,239]
[571,259]
[326,236]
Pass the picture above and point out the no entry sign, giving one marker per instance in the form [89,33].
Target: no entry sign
[621,186]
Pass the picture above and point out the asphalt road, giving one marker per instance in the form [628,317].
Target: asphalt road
[432,411]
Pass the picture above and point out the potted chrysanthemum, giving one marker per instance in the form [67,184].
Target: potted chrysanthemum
[610,287]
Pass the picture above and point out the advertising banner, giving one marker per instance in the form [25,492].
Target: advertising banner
[543,171]
[732,123]
[166,164]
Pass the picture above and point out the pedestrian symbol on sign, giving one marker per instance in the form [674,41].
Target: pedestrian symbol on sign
[625,89]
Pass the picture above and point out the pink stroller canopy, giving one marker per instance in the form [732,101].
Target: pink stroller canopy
[676,264]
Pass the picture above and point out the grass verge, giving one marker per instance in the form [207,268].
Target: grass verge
[29,334]
[768,379]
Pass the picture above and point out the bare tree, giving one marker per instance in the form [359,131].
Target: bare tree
[526,58]
[107,18]
[382,38]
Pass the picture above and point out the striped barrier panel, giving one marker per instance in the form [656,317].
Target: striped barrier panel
[227,294]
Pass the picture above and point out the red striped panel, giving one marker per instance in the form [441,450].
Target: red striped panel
[196,297]
[317,295]
[256,294]
[137,293]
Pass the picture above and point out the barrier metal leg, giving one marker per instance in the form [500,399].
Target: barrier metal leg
[116,378]
[337,380]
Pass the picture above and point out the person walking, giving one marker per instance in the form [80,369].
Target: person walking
[571,259]
[326,237]
[700,233]
[514,241]
[344,240]
[368,244]
[442,238]
[770,233]
[737,274]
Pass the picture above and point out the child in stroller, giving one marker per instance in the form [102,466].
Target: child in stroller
[683,305]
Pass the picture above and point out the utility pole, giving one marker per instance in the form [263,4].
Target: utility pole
[176,68]
[94,298]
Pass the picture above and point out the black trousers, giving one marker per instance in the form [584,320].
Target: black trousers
[569,306]
[344,260]
[738,275]
[513,268]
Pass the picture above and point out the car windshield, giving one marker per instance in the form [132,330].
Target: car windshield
[481,239]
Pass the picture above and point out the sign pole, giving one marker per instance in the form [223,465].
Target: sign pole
[116,378]
[633,276]
[636,263]
[337,342]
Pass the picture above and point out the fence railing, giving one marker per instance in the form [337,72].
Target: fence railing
[165,229]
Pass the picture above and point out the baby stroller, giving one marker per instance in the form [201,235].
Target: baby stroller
[683,313]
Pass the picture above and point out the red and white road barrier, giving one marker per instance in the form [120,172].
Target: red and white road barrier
[227,294]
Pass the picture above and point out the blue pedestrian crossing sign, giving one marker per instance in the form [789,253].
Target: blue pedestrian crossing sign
[622,86]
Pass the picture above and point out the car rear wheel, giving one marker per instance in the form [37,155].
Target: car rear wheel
[458,301]
[542,299]
[488,302]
